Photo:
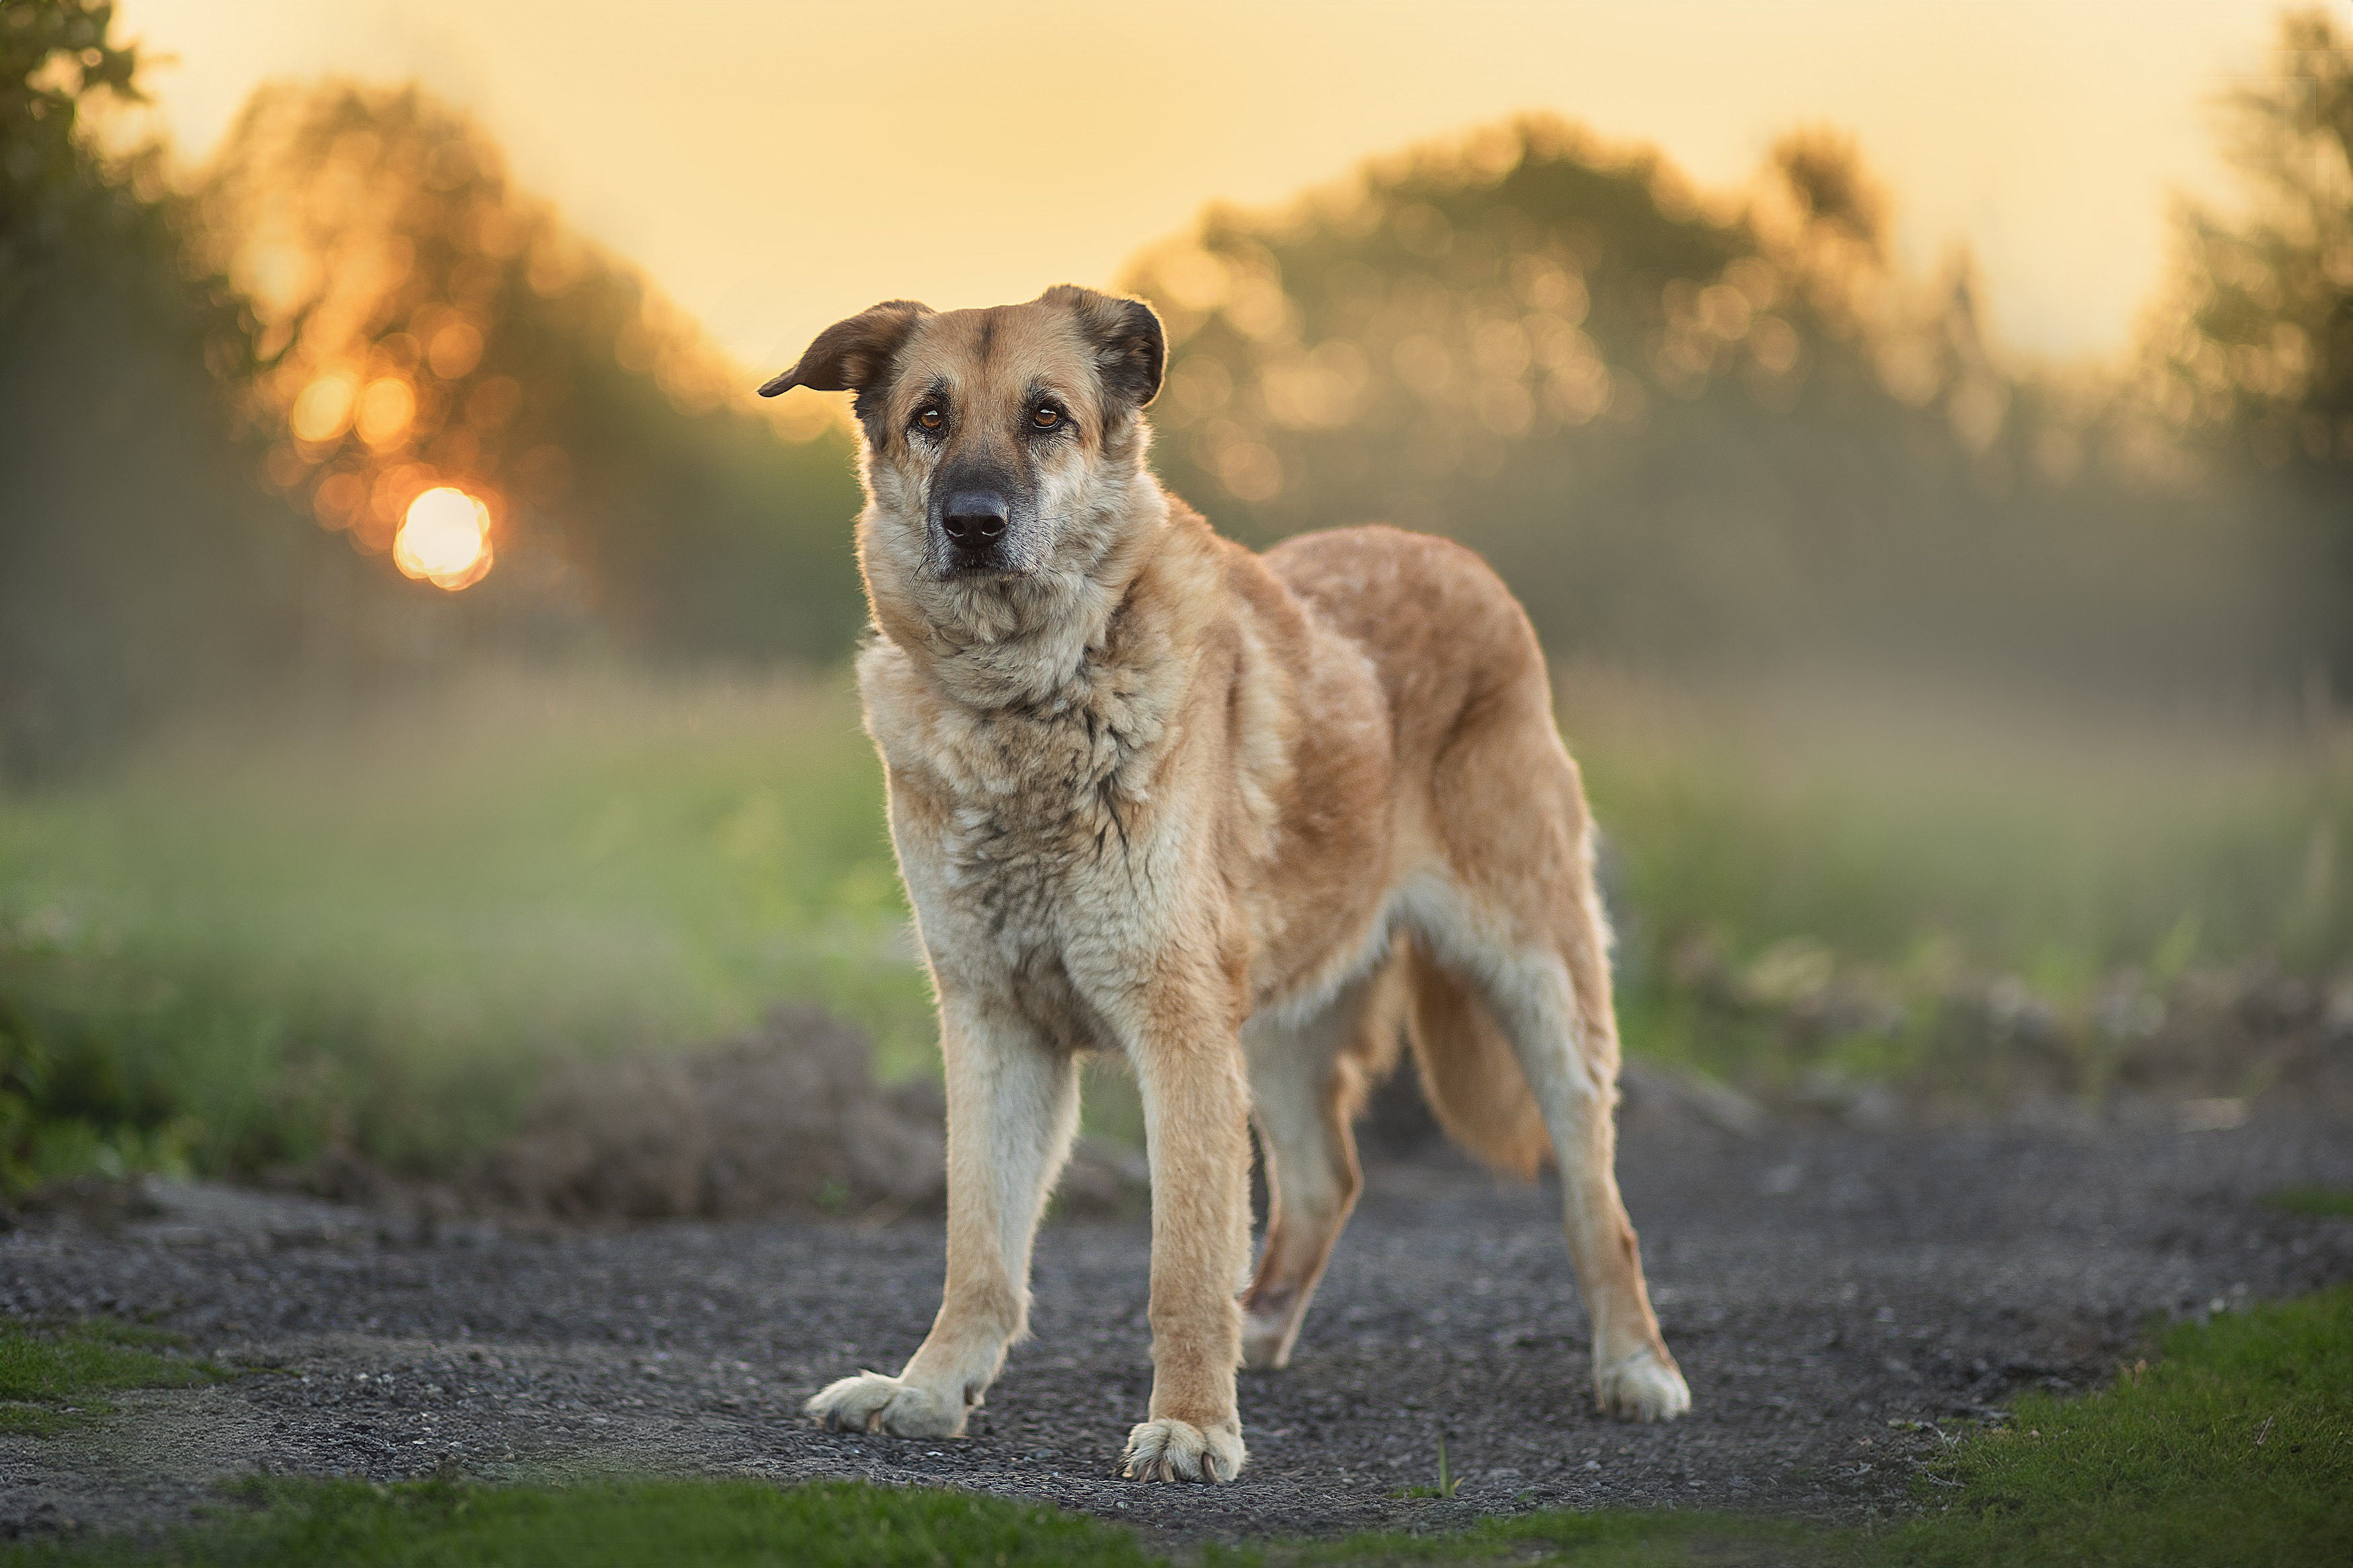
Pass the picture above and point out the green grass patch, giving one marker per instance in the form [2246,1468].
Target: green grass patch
[619,1524]
[2235,1447]
[2318,1203]
[718,1525]
[52,1374]
[1609,1538]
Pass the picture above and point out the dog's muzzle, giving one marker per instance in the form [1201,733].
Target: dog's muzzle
[974,523]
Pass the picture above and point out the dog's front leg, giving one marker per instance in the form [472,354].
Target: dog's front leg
[1196,1123]
[1013,1106]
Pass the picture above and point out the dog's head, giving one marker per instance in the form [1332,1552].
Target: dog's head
[999,444]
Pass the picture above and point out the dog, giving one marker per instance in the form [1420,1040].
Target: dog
[1250,821]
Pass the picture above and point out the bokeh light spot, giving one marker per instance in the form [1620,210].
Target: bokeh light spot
[444,538]
[386,409]
[324,410]
[457,349]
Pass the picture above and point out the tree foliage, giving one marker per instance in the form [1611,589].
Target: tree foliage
[137,563]
[62,212]
[355,305]
[1689,430]
[424,323]
[2264,349]
[2251,360]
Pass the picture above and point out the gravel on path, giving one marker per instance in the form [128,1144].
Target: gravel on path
[1828,1293]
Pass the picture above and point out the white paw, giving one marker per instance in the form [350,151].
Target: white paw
[1173,1451]
[873,1403]
[1644,1385]
[1266,1342]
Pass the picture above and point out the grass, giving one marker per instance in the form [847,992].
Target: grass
[2234,1446]
[1447,1485]
[2318,1203]
[256,941]
[50,1376]
[251,945]
[725,1525]
[687,1523]
[1612,1538]
[1899,849]
[2054,844]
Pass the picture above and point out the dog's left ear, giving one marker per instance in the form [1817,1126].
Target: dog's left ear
[1131,351]
[852,355]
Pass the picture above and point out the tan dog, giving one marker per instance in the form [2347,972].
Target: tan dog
[1244,820]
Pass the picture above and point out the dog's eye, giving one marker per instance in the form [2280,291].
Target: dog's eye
[930,418]
[1046,417]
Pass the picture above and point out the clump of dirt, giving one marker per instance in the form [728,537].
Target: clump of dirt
[103,1202]
[786,1120]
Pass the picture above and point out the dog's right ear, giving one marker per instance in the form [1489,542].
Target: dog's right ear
[852,355]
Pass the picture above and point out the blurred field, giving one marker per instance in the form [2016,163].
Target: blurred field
[248,946]
[1973,898]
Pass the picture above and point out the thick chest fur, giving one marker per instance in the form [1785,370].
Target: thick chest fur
[1028,835]
[1060,856]
[1030,817]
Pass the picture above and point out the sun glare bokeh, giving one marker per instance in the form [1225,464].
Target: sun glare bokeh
[444,538]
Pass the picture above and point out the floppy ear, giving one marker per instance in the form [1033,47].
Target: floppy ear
[852,355]
[1131,351]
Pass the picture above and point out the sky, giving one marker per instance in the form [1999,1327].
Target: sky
[776,165]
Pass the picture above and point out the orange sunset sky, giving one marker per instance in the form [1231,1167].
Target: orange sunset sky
[774,166]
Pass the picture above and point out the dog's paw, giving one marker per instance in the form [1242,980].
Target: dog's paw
[1644,1386]
[873,1403]
[1266,1342]
[1173,1451]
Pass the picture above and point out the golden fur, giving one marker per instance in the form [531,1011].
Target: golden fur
[1245,819]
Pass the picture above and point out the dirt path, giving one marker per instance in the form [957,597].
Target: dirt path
[1821,1287]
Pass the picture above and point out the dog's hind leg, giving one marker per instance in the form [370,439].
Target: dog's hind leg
[1519,918]
[1013,1107]
[1308,1080]
[1536,997]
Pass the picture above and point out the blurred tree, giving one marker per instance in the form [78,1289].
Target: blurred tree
[138,562]
[1690,431]
[424,323]
[2256,353]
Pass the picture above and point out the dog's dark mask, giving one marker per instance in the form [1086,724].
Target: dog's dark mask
[981,504]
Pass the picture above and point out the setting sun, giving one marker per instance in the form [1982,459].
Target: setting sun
[444,538]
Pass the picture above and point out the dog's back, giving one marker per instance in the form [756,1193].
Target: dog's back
[1441,629]
[1455,656]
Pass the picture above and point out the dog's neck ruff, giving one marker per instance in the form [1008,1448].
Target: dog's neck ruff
[1037,643]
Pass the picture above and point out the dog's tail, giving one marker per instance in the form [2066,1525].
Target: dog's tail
[1468,1073]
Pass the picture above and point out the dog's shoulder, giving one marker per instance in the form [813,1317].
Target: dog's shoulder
[1377,578]
[1439,626]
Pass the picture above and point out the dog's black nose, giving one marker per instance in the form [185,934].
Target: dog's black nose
[974,521]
